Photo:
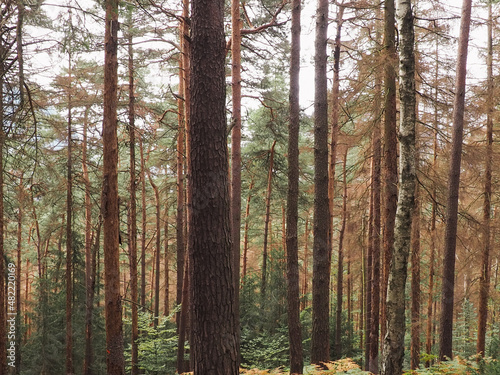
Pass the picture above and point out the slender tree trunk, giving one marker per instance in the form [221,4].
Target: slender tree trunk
[368,282]
[390,151]
[69,234]
[209,228]
[484,282]
[306,265]
[451,219]
[89,293]
[430,300]
[166,265]
[18,273]
[157,252]
[143,223]
[392,360]
[236,151]
[245,235]
[266,221]
[180,175]
[415,285]
[373,356]
[132,235]
[182,366]
[335,120]
[340,272]
[292,248]
[320,342]
[114,332]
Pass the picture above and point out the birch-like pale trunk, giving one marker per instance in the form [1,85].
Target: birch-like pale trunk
[392,359]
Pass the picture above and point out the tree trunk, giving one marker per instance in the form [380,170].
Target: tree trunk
[18,273]
[157,252]
[373,355]
[236,151]
[143,223]
[335,120]
[415,285]
[320,341]
[368,283]
[89,293]
[266,221]
[69,234]
[180,174]
[484,282]
[340,272]
[114,332]
[292,249]
[182,366]
[210,251]
[132,218]
[247,223]
[451,218]
[390,151]
[392,361]
[306,264]
[166,265]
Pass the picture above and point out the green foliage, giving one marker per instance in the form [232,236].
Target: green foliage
[157,346]
[462,366]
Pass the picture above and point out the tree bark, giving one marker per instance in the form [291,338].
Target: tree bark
[89,292]
[340,271]
[415,285]
[236,150]
[166,266]
[320,342]
[390,151]
[209,234]
[292,249]
[451,218]
[69,232]
[143,223]
[245,235]
[373,355]
[392,361]
[266,221]
[132,218]
[484,282]
[109,206]
[157,252]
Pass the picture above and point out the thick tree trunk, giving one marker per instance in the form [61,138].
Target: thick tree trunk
[182,365]
[340,270]
[451,219]
[211,259]
[390,173]
[292,249]
[484,282]
[143,223]
[132,219]
[109,206]
[392,361]
[320,342]
[267,222]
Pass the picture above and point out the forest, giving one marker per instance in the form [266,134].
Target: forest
[249,187]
